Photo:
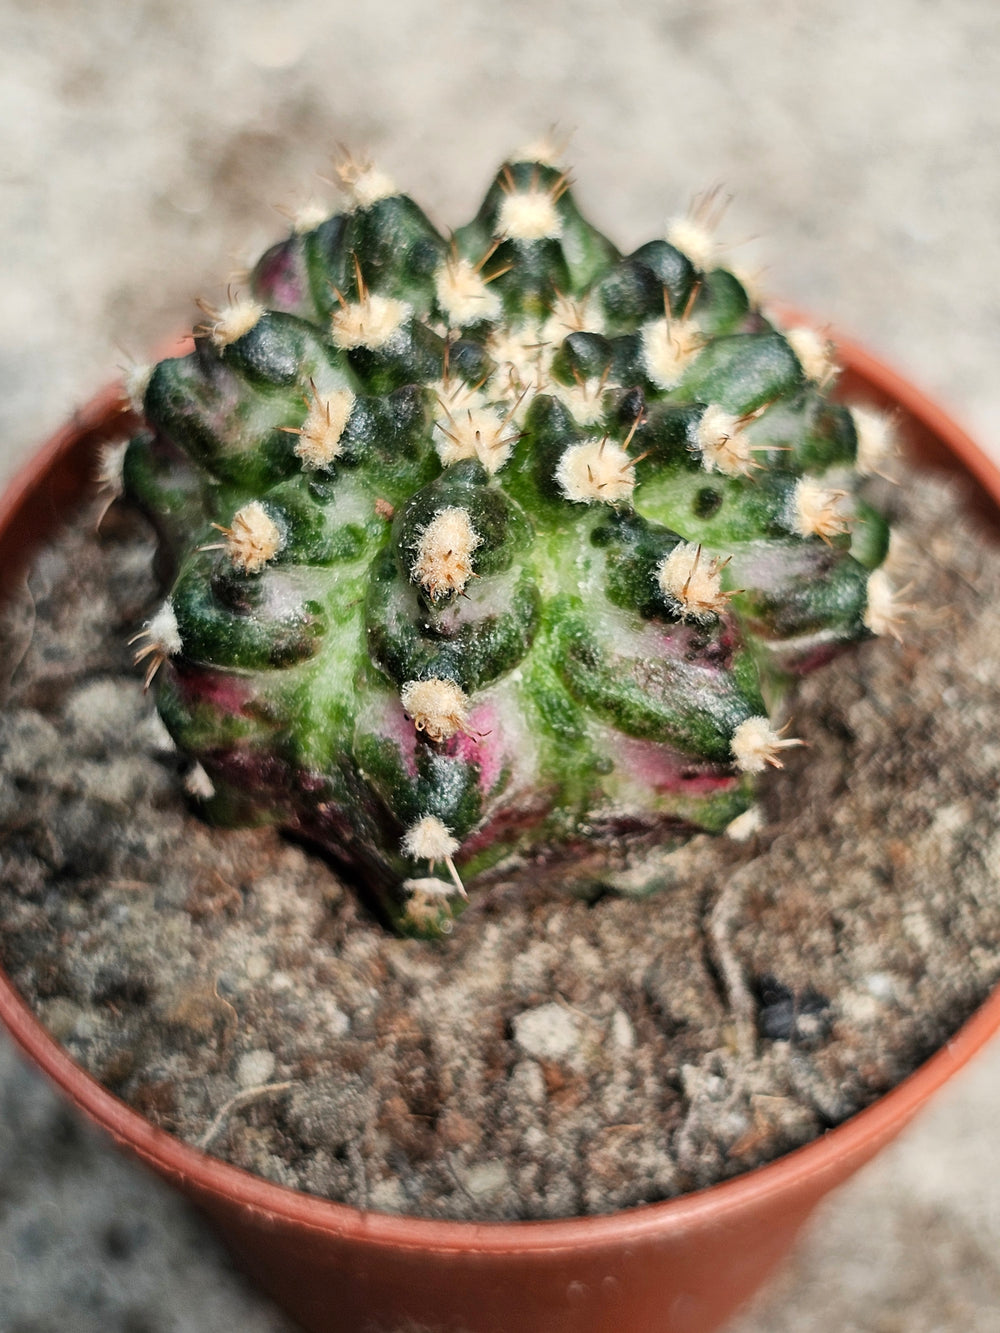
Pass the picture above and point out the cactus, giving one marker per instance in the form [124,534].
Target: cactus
[484,545]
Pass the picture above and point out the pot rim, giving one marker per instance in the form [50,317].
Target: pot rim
[855,1139]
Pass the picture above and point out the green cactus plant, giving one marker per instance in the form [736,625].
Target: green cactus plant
[495,543]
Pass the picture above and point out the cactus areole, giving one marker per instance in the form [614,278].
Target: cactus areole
[495,545]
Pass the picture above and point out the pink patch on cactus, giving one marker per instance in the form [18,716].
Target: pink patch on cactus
[510,824]
[819,657]
[278,281]
[227,695]
[482,744]
[665,770]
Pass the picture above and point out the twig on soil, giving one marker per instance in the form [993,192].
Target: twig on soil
[720,923]
[450,1165]
[247,1095]
[226,1004]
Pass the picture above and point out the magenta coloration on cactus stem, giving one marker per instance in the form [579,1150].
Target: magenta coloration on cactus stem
[495,545]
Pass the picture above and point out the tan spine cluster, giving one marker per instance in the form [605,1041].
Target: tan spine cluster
[530,215]
[321,436]
[484,432]
[820,511]
[723,443]
[756,745]
[886,611]
[231,322]
[364,182]
[815,354]
[584,398]
[253,539]
[439,708]
[695,240]
[159,639]
[597,470]
[876,439]
[692,582]
[443,559]
[430,839]
[523,358]
[372,322]
[463,294]
[669,346]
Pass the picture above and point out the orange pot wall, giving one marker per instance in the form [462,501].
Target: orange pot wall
[677,1267]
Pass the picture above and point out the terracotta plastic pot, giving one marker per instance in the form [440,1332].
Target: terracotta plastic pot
[677,1267]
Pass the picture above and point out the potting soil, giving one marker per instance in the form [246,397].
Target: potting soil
[554,1056]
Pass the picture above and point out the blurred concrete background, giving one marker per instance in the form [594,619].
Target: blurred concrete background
[145,148]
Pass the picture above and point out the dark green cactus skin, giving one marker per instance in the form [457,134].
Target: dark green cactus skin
[598,706]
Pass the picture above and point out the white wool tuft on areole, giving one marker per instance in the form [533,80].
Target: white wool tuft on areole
[463,294]
[668,348]
[596,471]
[198,784]
[320,439]
[308,217]
[692,582]
[253,539]
[885,612]
[876,439]
[429,886]
[158,640]
[233,321]
[572,316]
[482,432]
[756,744]
[111,467]
[815,353]
[547,151]
[752,282]
[695,241]
[820,511]
[162,632]
[523,358]
[136,383]
[723,443]
[443,560]
[454,395]
[365,183]
[371,322]
[429,840]
[585,399]
[439,708]
[530,215]
[744,826]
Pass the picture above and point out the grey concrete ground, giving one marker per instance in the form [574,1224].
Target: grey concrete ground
[145,145]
